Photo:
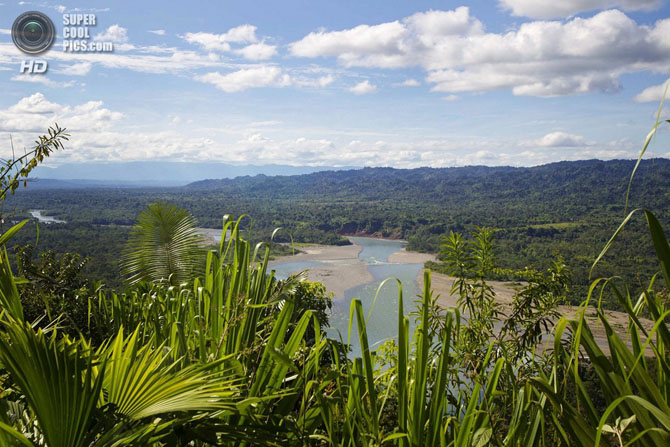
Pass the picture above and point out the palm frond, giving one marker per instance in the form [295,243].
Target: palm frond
[164,244]
[141,382]
[58,378]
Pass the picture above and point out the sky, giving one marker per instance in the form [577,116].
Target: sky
[345,83]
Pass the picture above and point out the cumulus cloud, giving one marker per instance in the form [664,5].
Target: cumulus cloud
[95,133]
[652,94]
[158,32]
[257,51]
[237,81]
[363,88]
[541,58]
[101,134]
[221,42]
[557,139]
[391,44]
[566,8]
[35,113]
[114,33]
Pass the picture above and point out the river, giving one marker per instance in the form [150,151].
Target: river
[41,218]
[382,322]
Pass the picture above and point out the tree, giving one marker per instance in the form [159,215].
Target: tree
[16,170]
[163,244]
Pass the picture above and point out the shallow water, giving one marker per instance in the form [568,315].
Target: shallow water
[382,322]
[283,270]
[41,218]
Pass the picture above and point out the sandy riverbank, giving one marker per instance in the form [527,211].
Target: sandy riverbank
[342,271]
[441,285]
[410,257]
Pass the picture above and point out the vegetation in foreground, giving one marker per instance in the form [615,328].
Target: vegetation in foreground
[229,355]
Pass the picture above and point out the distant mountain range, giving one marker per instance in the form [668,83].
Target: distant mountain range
[276,182]
[155,173]
[584,180]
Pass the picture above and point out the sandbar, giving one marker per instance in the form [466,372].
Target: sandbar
[341,270]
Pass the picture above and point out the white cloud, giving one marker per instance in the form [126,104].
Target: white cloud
[450,98]
[5,31]
[652,94]
[321,81]
[237,81]
[566,8]
[363,45]
[208,41]
[261,76]
[100,134]
[79,69]
[40,79]
[241,34]
[391,44]
[152,59]
[158,32]
[90,9]
[410,83]
[541,58]
[114,33]
[35,114]
[363,88]
[557,139]
[221,42]
[61,8]
[257,51]
[324,81]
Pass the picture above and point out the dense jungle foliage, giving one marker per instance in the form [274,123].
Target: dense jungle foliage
[565,209]
[208,348]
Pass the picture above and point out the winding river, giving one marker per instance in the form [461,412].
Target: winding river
[382,322]
[41,218]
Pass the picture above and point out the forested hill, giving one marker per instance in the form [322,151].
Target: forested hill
[579,182]
[568,208]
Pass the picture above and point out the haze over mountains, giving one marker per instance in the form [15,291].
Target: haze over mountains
[283,179]
[154,173]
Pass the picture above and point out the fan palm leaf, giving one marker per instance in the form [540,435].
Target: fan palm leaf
[141,382]
[59,379]
[163,244]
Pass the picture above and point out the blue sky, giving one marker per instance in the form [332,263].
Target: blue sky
[347,83]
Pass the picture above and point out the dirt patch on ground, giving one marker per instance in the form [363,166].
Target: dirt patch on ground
[504,291]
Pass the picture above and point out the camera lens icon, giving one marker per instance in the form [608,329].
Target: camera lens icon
[33,32]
